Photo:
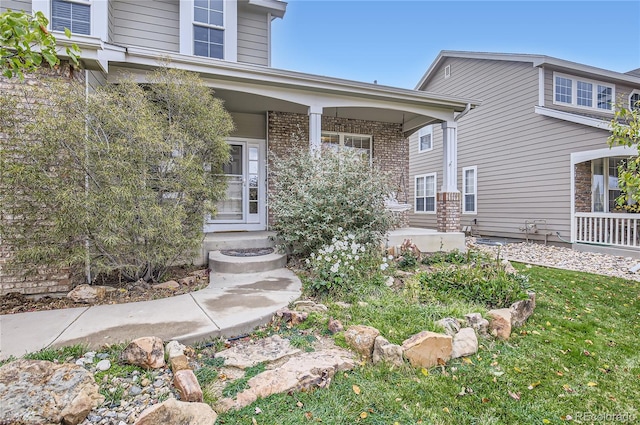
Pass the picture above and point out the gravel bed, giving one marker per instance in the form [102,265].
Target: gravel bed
[562,258]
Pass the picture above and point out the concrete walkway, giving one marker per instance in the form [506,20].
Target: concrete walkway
[232,304]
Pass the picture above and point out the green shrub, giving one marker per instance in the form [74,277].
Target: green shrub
[316,195]
[482,283]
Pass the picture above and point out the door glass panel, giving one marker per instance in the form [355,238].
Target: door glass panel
[253,180]
[231,208]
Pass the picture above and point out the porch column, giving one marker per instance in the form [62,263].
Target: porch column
[448,205]
[315,128]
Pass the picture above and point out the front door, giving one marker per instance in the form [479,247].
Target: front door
[244,207]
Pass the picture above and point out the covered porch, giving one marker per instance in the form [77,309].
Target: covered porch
[597,219]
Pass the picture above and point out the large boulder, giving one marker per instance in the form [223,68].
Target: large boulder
[427,349]
[465,343]
[146,352]
[361,338]
[174,412]
[43,392]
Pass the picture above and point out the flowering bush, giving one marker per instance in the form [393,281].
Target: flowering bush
[315,195]
[345,263]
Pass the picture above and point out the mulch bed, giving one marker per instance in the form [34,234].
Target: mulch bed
[126,292]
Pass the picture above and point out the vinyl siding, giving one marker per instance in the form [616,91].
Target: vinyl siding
[253,37]
[150,24]
[110,21]
[95,79]
[15,5]
[523,158]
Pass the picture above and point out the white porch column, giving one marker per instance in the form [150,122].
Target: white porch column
[450,165]
[315,128]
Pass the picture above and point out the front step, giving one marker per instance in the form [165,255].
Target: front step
[238,240]
[220,263]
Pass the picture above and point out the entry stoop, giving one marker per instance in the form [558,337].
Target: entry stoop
[220,263]
[219,241]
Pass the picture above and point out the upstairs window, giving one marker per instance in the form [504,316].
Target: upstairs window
[582,93]
[72,14]
[425,139]
[208,28]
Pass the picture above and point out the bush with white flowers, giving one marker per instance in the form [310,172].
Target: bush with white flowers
[344,263]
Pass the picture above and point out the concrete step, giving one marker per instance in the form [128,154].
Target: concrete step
[220,241]
[220,263]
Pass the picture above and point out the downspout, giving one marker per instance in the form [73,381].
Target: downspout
[463,113]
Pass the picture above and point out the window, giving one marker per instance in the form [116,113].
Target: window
[582,93]
[208,28]
[469,190]
[75,15]
[425,139]
[634,100]
[604,183]
[425,194]
[359,143]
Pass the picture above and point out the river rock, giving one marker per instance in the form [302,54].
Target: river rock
[43,392]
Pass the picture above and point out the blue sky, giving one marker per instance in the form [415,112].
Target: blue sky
[394,42]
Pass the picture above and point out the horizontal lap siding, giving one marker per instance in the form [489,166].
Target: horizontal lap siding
[253,37]
[523,158]
[151,24]
[15,5]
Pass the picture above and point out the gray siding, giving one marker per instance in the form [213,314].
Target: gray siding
[15,5]
[253,126]
[110,22]
[523,158]
[253,37]
[95,79]
[150,24]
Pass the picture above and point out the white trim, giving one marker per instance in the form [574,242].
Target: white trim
[435,193]
[230,16]
[186,27]
[475,190]
[571,117]
[425,131]
[635,91]
[450,157]
[574,93]
[541,86]
[98,16]
[342,135]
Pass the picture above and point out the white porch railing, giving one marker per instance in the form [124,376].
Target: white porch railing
[607,229]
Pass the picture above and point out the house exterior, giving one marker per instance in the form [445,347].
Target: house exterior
[228,43]
[534,156]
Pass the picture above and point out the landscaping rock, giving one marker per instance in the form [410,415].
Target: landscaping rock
[386,352]
[269,349]
[507,267]
[187,385]
[390,281]
[174,412]
[88,294]
[180,362]
[361,338]
[309,306]
[174,349]
[464,343]
[171,285]
[38,391]
[500,323]
[188,281]
[200,274]
[522,310]
[477,322]
[103,365]
[451,325]
[299,373]
[293,317]
[146,352]
[426,348]
[335,326]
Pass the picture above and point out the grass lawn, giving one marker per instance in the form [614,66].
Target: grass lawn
[578,355]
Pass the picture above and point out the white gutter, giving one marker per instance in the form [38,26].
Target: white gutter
[463,113]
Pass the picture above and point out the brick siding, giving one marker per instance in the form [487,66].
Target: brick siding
[448,213]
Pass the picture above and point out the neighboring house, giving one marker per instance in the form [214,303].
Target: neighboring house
[536,149]
[229,44]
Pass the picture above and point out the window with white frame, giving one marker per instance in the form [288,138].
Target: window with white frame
[634,100]
[604,183]
[470,190]
[359,143]
[582,93]
[425,193]
[208,28]
[72,14]
[425,139]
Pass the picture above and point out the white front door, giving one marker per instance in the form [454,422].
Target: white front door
[244,207]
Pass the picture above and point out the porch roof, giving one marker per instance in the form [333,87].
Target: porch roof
[250,88]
